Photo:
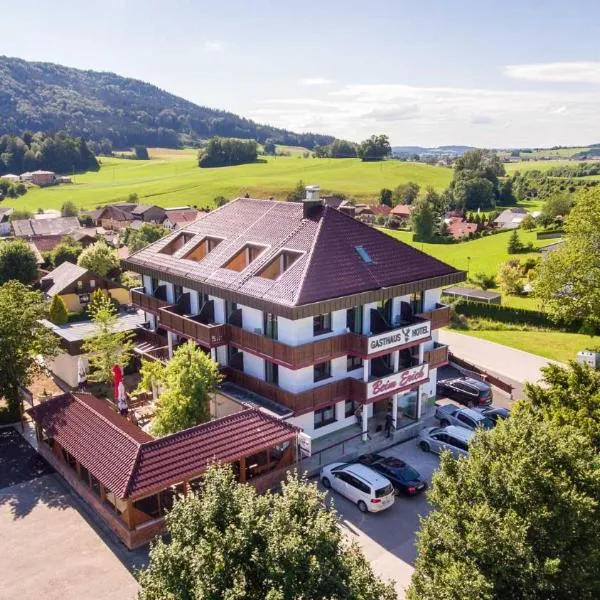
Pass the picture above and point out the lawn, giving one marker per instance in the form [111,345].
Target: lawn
[538,165]
[172,178]
[556,345]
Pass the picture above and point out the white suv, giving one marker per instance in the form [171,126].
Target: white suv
[369,490]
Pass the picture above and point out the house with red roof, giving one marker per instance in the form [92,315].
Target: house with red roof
[459,228]
[305,307]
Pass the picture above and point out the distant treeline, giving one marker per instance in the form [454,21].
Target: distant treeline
[52,152]
[538,184]
[226,152]
[583,169]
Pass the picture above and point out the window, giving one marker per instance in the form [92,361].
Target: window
[204,247]
[322,371]
[242,258]
[322,324]
[464,419]
[324,416]
[364,255]
[416,302]
[280,264]
[349,408]
[270,325]
[357,483]
[354,319]
[92,283]
[458,444]
[177,292]
[353,362]
[271,373]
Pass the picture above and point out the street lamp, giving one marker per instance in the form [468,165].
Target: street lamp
[468,264]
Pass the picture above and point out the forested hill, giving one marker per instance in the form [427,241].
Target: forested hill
[39,96]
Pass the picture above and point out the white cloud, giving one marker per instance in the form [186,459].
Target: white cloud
[214,45]
[315,81]
[568,72]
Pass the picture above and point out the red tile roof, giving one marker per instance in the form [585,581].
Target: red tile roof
[402,210]
[329,266]
[130,462]
[178,217]
[458,227]
[381,209]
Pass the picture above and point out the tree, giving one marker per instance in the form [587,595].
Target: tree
[58,313]
[320,151]
[569,396]
[220,201]
[67,251]
[507,197]
[568,281]
[20,214]
[528,223]
[555,206]
[342,149]
[405,193]
[423,220]
[99,258]
[188,381]
[69,209]
[18,262]
[136,239]
[437,202]
[473,192]
[269,147]
[509,277]
[223,152]
[513,520]
[377,147]
[141,152]
[514,243]
[22,338]
[385,197]
[298,193]
[108,346]
[269,547]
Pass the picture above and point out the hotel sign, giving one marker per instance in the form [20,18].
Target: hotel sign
[397,381]
[399,337]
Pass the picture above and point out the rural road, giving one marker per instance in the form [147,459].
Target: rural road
[505,361]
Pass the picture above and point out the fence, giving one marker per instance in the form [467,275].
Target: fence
[488,377]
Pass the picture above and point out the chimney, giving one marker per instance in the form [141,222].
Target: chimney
[312,204]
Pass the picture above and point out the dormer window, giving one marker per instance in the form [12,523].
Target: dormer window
[199,251]
[177,243]
[241,259]
[280,264]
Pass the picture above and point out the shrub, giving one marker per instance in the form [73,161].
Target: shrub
[58,313]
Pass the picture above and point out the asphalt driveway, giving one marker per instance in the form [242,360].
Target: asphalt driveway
[388,538]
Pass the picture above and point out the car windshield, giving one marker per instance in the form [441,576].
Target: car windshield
[408,474]
[384,491]
[340,467]
[487,423]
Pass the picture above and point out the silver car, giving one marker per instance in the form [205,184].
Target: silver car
[450,414]
[452,438]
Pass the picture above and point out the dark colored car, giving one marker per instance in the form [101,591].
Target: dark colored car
[466,390]
[404,478]
[496,414]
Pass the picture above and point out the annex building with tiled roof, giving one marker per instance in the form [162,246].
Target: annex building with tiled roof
[305,306]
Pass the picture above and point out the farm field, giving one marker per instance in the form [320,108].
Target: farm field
[555,345]
[537,165]
[172,178]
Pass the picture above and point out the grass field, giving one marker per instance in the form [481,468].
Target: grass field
[172,178]
[538,165]
[556,345]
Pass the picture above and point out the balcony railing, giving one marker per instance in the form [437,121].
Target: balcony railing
[439,316]
[207,334]
[437,356]
[146,302]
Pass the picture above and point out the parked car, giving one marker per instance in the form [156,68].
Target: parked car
[496,414]
[450,414]
[404,478]
[438,439]
[369,490]
[466,390]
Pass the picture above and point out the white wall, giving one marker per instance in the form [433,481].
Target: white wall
[219,305]
[194,300]
[307,422]
[367,317]
[296,333]
[222,355]
[432,297]
[64,366]
[253,365]
[147,284]
[301,380]
[252,319]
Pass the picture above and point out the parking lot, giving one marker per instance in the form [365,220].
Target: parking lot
[388,538]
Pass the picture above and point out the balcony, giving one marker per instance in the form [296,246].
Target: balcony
[190,326]
[437,356]
[439,316]
[148,303]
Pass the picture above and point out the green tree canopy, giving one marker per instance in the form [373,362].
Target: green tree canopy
[423,219]
[188,381]
[405,193]
[229,542]
[342,149]
[58,313]
[269,147]
[298,193]
[136,239]
[377,147]
[385,197]
[141,152]
[109,346]
[100,258]
[68,250]
[514,245]
[17,261]
[517,519]
[19,214]
[568,279]
[223,152]
[558,205]
[22,338]
[69,209]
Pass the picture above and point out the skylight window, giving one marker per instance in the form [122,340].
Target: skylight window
[177,243]
[280,264]
[364,255]
[204,247]
[241,259]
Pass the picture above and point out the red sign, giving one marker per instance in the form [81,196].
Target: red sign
[397,381]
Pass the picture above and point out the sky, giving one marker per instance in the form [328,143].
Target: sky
[475,72]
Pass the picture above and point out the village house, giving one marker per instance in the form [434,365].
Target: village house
[178,217]
[149,213]
[510,218]
[401,212]
[11,178]
[113,216]
[75,285]
[47,233]
[43,178]
[459,228]
[303,306]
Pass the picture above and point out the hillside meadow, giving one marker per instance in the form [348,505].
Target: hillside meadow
[172,178]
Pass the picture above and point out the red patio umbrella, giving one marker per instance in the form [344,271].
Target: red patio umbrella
[117,378]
